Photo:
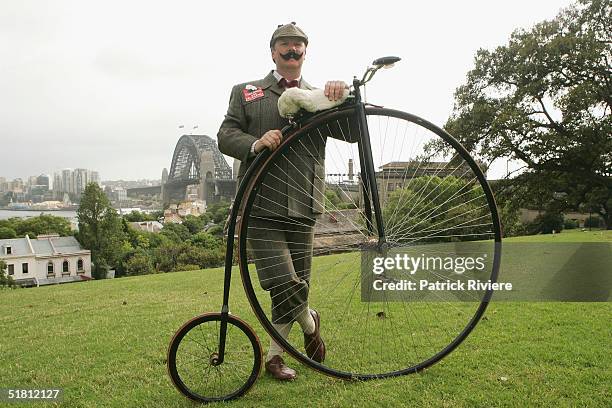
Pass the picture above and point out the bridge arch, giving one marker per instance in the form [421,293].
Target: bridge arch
[196,158]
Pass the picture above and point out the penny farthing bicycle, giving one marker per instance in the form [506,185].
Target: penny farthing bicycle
[390,180]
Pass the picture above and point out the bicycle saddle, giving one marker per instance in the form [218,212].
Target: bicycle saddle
[294,99]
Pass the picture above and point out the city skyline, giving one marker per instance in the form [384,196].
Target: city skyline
[49,186]
[27,179]
[114,99]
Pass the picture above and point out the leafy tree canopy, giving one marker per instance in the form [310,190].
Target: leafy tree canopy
[7,233]
[545,99]
[176,232]
[100,229]
[416,217]
[34,226]
[137,216]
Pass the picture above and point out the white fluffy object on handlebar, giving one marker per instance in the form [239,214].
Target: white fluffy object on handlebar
[294,99]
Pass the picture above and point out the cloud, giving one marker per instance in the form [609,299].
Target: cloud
[133,64]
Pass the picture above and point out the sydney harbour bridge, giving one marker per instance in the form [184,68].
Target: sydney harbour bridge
[198,161]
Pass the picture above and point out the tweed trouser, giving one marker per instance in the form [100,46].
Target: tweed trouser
[282,250]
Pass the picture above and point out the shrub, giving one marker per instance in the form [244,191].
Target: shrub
[568,223]
[99,268]
[548,222]
[137,216]
[5,279]
[216,230]
[346,206]
[218,212]
[194,224]
[510,219]
[176,232]
[139,264]
[205,258]
[187,267]
[205,239]
[593,222]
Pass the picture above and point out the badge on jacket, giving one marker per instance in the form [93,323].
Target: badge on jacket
[251,93]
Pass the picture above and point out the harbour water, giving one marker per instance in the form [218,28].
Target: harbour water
[5,214]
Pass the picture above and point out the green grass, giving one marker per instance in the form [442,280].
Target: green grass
[105,343]
[573,235]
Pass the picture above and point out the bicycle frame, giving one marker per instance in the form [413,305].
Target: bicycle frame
[370,189]
[368,170]
[229,253]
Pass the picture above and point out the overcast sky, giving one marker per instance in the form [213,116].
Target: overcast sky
[104,85]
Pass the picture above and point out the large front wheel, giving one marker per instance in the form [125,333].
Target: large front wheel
[304,241]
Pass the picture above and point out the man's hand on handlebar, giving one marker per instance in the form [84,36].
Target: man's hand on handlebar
[335,89]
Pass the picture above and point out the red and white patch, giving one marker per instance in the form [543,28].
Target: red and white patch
[250,93]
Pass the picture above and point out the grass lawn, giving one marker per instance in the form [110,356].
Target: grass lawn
[573,235]
[105,343]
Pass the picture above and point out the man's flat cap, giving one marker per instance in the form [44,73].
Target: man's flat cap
[288,30]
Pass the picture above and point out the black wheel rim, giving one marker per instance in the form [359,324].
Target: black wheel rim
[469,318]
[190,356]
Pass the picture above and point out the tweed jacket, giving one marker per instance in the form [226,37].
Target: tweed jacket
[294,186]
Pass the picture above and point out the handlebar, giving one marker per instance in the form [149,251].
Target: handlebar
[383,62]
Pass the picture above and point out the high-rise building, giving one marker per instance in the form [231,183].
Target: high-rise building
[43,180]
[80,177]
[67,183]
[74,181]
[15,186]
[94,177]
[57,182]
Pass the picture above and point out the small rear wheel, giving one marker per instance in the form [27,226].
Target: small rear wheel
[193,356]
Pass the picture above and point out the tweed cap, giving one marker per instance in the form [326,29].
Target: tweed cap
[288,30]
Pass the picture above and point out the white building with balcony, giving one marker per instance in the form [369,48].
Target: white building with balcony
[46,260]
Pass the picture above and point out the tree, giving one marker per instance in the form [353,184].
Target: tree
[545,99]
[218,212]
[455,212]
[332,201]
[166,256]
[205,239]
[547,223]
[100,229]
[34,226]
[194,224]
[139,264]
[7,233]
[176,232]
[43,224]
[5,279]
[137,216]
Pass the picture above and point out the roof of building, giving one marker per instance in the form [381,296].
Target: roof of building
[18,245]
[44,245]
[150,226]
[427,164]
[414,163]
[339,222]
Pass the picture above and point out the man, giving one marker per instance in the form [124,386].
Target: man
[281,227]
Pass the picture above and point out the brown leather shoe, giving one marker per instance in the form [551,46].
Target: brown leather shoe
[277,368]
[314,345]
